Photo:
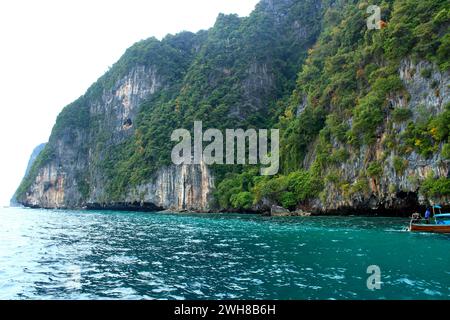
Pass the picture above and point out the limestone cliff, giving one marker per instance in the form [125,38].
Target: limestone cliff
[394,189]
[60,182]
[363,115]
[366,130]
[109,149]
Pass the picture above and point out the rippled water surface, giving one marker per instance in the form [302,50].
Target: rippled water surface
[122,255]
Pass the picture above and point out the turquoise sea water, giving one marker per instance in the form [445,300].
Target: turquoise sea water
[122,255]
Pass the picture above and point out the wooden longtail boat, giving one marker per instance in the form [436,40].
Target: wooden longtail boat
[430,228]
[441,222]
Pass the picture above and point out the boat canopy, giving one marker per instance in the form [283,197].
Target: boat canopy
[444,215]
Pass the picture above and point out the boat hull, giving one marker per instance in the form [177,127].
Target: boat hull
[437,228]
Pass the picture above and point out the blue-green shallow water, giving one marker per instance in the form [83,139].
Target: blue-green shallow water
[103,255]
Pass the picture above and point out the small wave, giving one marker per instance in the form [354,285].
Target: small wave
[123,259]
[407,281]
[432,292]
[397,230]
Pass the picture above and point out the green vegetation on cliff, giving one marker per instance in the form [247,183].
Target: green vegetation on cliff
[310,68]
[342,100]
[242,67]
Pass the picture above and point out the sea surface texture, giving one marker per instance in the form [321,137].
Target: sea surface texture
[121,255]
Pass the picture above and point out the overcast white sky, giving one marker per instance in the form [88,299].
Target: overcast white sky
[51,51]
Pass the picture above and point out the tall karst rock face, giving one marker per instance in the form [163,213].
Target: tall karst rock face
[111,147]
[363,114]
[388,173]
[366,129]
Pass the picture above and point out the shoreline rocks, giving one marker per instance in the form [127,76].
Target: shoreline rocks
[277,211]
